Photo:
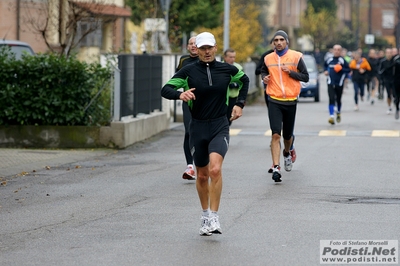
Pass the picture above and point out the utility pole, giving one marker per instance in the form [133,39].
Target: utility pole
[165,4]
[226,23]
[370,17]
[18,18]
[369,20]
[357,24]
[398,25]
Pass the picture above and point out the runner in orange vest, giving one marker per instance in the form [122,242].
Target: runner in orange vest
[282,71]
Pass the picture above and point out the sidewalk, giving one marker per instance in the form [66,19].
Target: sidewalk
[22,161]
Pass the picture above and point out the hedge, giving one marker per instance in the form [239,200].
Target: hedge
[49,89]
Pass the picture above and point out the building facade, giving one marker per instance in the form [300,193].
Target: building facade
[49,24]
[286,14]
[380,18]
[377,17]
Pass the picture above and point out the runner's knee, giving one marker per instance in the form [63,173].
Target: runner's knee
[276,136]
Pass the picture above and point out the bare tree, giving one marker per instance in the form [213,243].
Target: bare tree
[63,24]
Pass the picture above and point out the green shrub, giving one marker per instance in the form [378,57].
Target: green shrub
[47,89]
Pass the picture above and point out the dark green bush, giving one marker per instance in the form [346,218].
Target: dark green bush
[47,89]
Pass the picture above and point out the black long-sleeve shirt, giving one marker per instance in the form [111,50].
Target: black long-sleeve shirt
[386,69]
[211,81]
[396,71]
[261,62]
[186,60]
[374,63]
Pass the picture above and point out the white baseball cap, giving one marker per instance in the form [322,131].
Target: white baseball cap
[205,38]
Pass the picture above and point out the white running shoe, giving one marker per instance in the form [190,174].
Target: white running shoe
[288,163]
[214,226]
[205,228]
[189,173]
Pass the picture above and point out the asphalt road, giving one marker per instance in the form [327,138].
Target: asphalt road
[131,207]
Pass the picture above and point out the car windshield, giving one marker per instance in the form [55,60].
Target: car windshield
[19,50]
[310,64]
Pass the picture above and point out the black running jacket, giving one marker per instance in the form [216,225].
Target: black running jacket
[211,81]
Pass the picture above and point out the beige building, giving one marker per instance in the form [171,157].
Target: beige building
[286,14]
[378,17]
[101,25]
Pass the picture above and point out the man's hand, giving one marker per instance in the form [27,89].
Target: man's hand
[187,95]
[236,113]
[285,69]
[266,79]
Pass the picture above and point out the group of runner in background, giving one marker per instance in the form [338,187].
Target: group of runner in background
[375,75]
[214,94]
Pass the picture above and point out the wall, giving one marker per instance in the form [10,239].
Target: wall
[20,29]
[118,135]
[49,136]
[8,19]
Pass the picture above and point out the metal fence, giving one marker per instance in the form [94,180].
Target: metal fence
[138,80]
[137,83]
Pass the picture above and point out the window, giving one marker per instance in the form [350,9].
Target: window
[388,19]
[288,7]
[92,28]
[341,12]
[298,13]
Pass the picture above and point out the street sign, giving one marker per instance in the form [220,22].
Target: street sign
[369,39]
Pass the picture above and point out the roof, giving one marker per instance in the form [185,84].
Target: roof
[104,10]
[14,42]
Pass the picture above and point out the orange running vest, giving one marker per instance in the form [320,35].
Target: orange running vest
[281,86]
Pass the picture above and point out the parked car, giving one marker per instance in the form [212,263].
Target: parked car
[311,88]
[17,47]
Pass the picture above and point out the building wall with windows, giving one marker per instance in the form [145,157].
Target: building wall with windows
[344,10]
[384,18]
[25,20]
[379,15]
[286,14]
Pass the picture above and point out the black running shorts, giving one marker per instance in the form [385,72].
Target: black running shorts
[207,136]
[282,118]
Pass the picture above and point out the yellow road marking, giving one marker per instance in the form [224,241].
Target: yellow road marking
[337,133]
[268,132]
[385,133]
[332,133]
[234,132]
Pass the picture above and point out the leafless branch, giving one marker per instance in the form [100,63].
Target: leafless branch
[38,19]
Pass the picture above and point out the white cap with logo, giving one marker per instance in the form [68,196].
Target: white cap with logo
[205,38]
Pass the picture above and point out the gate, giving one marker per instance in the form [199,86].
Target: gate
[140,84]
